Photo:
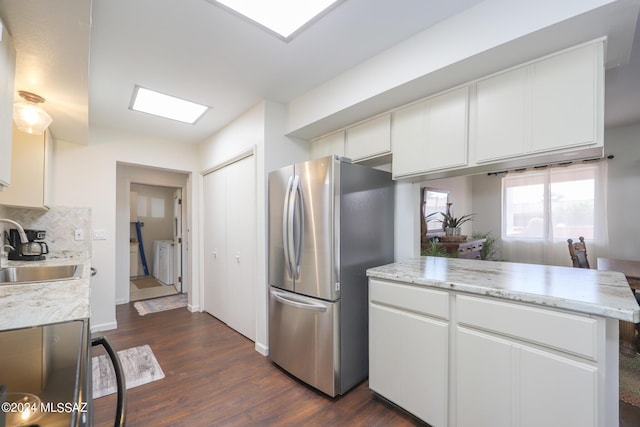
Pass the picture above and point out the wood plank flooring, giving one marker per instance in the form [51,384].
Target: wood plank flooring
[214,377]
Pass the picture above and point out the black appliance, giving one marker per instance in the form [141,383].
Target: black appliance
[45,376]
[34,250]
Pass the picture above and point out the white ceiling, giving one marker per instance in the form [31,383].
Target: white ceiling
[199,51]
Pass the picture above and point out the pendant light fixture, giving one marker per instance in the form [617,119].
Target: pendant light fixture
[29,116]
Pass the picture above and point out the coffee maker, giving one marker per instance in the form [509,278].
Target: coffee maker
[33,250]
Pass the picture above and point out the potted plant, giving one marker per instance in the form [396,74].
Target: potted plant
[451,224]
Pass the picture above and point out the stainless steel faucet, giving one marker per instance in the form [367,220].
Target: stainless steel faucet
[21,233]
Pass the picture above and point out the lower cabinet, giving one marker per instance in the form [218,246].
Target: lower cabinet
[453,359]
[405,366]
[504,383]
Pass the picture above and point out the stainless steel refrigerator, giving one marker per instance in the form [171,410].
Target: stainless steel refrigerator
[329,220]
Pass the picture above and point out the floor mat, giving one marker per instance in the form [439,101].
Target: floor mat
[161,304]
[146,282]
[138,363]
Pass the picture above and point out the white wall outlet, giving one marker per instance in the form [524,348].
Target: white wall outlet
[99,235]
[78,234]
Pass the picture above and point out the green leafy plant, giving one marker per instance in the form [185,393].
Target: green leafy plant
[450,221]
[434,250]
[490,250]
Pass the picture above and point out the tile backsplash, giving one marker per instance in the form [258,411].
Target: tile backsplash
[60,224]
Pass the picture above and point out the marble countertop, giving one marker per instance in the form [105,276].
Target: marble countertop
[33,304]
[602,293]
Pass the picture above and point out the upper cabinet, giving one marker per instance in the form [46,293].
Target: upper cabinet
[31,175]
[431,135]
[7,71]
[369,139]
[328,145]
[545,106]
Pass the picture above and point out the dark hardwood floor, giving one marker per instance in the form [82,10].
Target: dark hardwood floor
[214,377]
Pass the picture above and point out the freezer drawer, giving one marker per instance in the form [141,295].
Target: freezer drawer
[303,338]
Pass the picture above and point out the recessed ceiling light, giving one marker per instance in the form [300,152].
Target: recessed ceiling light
[170,107]
[284,17]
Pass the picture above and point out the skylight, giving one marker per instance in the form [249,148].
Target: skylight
[284,17]
[159,104]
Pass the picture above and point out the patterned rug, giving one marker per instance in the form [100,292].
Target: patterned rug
[161,304]
[630,380]
[138,363]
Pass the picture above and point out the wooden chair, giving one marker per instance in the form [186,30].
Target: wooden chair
[578,252]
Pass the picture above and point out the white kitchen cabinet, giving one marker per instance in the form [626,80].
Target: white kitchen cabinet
[229,245]
[7,71]
[431,135]
[408,349]
[534,387]
[552,104]
[369,139]
[31,172]
[454,359]
[328,145]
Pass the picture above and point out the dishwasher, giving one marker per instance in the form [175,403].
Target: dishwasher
[45,376]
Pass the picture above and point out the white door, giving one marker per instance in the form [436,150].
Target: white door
[177,239]
[214,231]
[241,246]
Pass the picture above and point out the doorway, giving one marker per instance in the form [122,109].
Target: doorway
[155,241]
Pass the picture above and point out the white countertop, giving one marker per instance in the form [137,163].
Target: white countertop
[602,293]
[33,304]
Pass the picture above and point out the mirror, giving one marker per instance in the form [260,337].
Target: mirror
[432,201]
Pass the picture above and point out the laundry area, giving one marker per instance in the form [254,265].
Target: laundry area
[154,254]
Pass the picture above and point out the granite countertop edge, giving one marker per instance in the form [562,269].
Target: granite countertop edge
[610,298]
[35,304]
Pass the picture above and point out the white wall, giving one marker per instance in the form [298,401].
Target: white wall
[85,176]
[261,128]
[623,191]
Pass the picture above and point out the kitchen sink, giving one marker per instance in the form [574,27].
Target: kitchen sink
[41,273]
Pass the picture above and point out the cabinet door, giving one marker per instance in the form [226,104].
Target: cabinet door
[500,116]
[329,145]
[408,362]
[408,135]
[7,71]
[28,171]
[555,390]
[564,94]
[484,380]
[369,139]
[215,256]
[241,246]
[431,135]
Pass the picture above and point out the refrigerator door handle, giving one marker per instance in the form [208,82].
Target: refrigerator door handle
[286,220]
[298,226]
[303,305]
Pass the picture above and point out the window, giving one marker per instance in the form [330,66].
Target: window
[433,202]
[551,204]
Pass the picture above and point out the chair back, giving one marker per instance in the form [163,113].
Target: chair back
[578,253]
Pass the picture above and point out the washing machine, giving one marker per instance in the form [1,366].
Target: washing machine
[163,261]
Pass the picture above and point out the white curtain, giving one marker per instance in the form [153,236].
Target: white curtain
[541,209]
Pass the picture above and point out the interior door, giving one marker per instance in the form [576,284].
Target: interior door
[177,239]
[214,230]
[241,246]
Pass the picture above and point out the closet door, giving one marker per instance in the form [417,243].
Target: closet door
[215,237]
[241,246]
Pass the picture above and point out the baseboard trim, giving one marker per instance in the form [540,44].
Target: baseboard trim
[104,327]
[262,349]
